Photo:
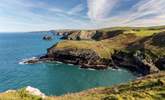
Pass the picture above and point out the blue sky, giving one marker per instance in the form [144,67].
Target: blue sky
[36,15]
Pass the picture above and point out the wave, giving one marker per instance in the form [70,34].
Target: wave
[115,69]
[87,68]
[25,61]
[58,62]
[70,64]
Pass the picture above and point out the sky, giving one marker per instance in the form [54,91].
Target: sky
[38,15]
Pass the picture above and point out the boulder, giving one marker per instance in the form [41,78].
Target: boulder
[35,91]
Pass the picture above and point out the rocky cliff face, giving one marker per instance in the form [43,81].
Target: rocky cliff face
[135,61]
[89,34]
[79,35]
[85,57]
[144,55]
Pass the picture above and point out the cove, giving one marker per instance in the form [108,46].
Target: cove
[50,78]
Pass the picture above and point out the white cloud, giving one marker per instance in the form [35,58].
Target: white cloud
[77,9]
[18,15]
[143,13]
[100,9]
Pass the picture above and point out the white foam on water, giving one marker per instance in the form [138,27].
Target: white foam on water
[70,64]
[87,68]
[24,61]
[114,69]
[58,62]
[91,69]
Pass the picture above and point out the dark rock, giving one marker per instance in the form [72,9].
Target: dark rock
[99,35]
[78,35]
[134,61]
[159,39]
[160,63]
[46,37]
[84,57]
[32,61]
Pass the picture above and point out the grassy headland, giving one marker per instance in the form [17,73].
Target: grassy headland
[110,39]
[137,48]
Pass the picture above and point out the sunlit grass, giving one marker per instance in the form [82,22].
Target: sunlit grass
[18,95]
[143,33]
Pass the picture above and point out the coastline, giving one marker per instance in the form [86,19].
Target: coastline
[142,55]
[139,54]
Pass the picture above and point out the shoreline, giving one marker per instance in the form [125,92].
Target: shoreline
[154,83]
[135,55]
[143,55]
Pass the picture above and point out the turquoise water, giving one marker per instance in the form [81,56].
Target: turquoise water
[52,79]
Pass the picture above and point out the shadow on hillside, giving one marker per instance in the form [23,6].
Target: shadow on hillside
[159,39]
[140,44]
[106,35]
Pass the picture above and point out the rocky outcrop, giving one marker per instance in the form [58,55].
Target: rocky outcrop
[46,37]
[89,34]
[79,35]
[85,57]
[135,61]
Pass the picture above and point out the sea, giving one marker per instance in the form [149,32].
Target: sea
[50,78]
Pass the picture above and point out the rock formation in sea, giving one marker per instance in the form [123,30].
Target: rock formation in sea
[47,37]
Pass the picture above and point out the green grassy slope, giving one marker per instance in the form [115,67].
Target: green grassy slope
[20,94]
[106,47]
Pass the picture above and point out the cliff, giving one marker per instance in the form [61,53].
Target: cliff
[105,33]
[141,51]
